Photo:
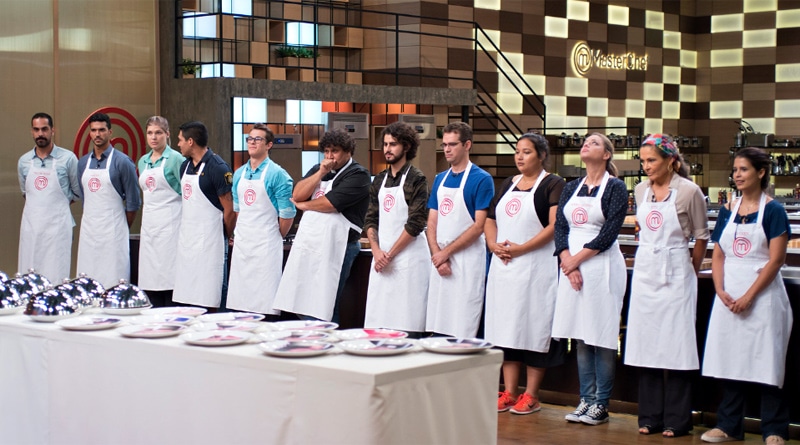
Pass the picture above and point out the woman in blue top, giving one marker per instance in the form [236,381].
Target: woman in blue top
[748,333]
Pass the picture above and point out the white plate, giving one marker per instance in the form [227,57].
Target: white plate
[125,311]
[305,324]
[189,311]
[449,345]
[216,338]
[152,330]
[89,323]
[282,348]
[297,335]
[355,334]
[11,310]
[231,316]
[162,318]
[382,346]
[244,326]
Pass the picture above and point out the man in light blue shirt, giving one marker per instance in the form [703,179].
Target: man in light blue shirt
[261,197]
[48,178]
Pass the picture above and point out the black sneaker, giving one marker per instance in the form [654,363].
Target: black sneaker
[596,415]
[575,416]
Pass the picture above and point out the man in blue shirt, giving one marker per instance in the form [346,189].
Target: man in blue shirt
[110,191]
[458,204]
[262,192]
[48,177]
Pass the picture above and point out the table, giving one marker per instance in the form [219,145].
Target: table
[67,387]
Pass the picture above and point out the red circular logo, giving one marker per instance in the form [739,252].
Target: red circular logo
[94,184]
[249,196]
[580,216]
[187,191]
[741,246]
[128,134]
[654,220]
[150,183]
[446,206]
[388,203]
[513,207]
[40,182]
[317,194]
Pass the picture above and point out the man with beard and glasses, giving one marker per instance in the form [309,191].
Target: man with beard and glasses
[110,190]
[48,177]
[397,296]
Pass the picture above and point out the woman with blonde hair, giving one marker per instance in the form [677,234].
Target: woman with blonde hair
[593,275]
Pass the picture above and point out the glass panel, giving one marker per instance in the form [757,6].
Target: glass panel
[203,26]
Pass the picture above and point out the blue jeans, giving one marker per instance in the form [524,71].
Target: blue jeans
[596,368]
[774,409]
[223,302]
[350,253]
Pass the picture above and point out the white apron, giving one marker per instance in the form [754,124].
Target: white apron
[750,346]
[455,302]
[663,303]
[104,246]
[397,297]
[521,295]
[258,254]
[311,275]
[45,234]
[161,217]
[591,314]
[201,247]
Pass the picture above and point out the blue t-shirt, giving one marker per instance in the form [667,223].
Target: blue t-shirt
[478,191]
[277,182]
[775,221]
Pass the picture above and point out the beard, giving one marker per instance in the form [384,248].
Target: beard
[395,160]
[42,142]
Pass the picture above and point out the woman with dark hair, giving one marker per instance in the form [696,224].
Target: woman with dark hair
[748,333]
[523,275]
[593,276]
[660,337]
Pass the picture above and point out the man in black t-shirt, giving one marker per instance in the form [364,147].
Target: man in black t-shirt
[333,196]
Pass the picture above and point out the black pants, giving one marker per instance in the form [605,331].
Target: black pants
[160,298]
[665,399]
[774,409]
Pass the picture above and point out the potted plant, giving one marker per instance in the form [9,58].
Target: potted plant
[189,68]
[296,55]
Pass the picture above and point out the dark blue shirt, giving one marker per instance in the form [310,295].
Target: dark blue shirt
[122,172]
[613,203]
[775,221]
[216,178]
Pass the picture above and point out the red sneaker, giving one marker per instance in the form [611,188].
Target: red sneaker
[526,405]
[505,401]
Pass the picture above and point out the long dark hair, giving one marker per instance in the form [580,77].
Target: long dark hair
[540,144]
[759,160]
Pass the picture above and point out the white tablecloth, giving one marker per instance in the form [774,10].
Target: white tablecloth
[65,387]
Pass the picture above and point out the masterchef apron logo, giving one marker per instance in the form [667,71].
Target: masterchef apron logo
[446,206]
[388,203]
[249,197]
[94,184]
[654,220]
[187,191]
[40,182]
[513,207]
[318,194]
[741,246]
[580,216]
[150,183]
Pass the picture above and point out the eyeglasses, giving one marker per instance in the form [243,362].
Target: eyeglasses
[450,144]
[254,140]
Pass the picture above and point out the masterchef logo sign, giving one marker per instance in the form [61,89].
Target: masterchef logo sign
[585,58]
[127,134]
[40,182]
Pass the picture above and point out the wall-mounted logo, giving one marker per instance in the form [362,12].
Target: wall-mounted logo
[584,58]
[128,136]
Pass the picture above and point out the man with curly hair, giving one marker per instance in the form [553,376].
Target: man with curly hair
[398,281]
[333,196]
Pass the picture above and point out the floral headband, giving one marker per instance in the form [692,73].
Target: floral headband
[662,142]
